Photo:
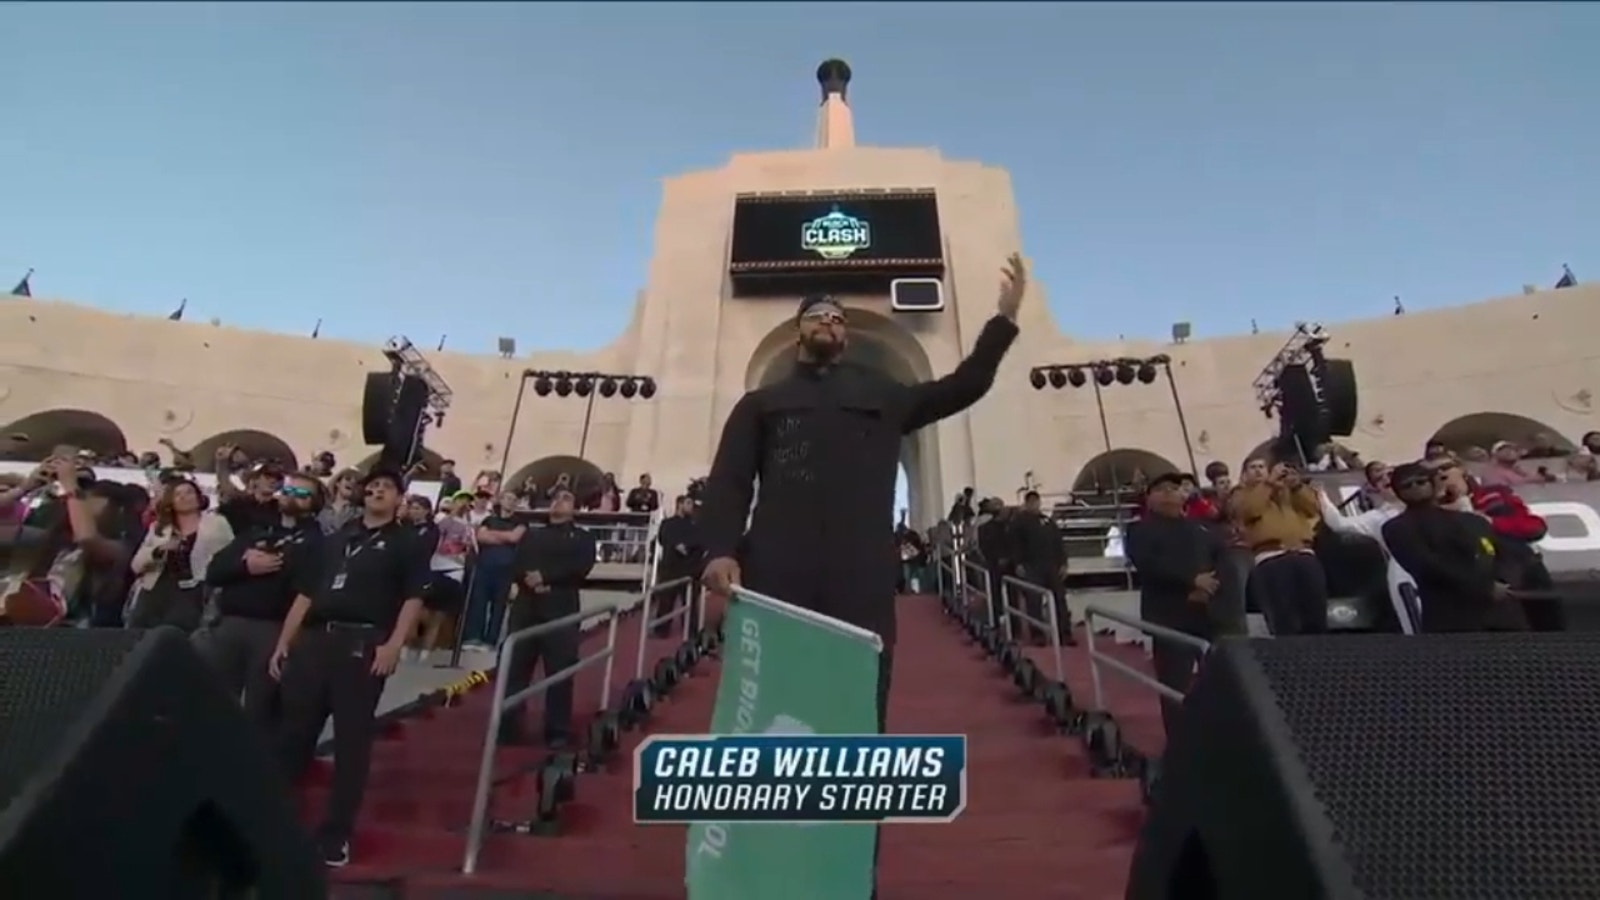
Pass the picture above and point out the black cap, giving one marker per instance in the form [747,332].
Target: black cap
[814,300]
[1173,478]
[389,475]
[1410,471]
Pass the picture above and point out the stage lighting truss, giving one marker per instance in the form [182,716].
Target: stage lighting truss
[407,361]
[591,384]
[1105,372]
[1304,347]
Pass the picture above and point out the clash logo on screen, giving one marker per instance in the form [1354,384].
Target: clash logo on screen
[836,235]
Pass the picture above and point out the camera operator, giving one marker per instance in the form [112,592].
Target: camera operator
[257,577]
[342,641]
[681,557]
[172,561]
[549,570]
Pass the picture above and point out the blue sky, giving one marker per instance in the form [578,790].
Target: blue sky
[480,170]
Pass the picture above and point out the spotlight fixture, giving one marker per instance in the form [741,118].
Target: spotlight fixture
[542,385]
[563,385]
[629,388]
[1124,370]
[608,387]
[583,386]
[647,388]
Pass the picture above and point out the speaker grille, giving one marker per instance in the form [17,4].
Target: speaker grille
[1451,766]
[47,677]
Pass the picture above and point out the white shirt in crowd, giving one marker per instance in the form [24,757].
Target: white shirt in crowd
[1370,524]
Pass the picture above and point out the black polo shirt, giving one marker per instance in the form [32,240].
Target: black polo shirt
[367,574]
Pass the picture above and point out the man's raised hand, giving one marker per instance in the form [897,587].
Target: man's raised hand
[1013,284]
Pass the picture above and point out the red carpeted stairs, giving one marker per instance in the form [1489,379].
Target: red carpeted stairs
[1036,823]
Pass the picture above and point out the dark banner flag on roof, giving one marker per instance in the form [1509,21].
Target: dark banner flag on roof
[1567,279]
[24,287]
[177,314]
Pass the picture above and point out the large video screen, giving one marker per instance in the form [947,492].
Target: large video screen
[829,239]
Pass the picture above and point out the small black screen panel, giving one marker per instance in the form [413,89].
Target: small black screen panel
[837,233]
[916,295]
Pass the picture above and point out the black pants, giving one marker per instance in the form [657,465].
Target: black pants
[1292,592]
[1174,667]
[557,649]
[329,671]
[667,601]
[239,649]
[885,677]
[166,603]
[1227,610]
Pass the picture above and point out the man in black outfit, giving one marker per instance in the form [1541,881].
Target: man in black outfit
[644,498]
[680,558]
[1042,560]
[342,641]
[548,573]
[1451,556]
[999,558]
[1178,559]
[257,578]
[825,444]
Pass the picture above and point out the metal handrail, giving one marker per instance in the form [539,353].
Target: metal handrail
[648,620]
[1050,623]
[480,796]
[1158,632]
[985,592]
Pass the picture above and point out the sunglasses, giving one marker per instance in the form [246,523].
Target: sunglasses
[1410,483]
[295,492]
[830,316]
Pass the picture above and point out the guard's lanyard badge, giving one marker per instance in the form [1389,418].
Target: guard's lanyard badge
[353,548]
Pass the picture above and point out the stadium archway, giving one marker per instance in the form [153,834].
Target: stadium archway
[34,437]
[1116,470]
[876,342]
[1483,429]
[260,445]
[583,475]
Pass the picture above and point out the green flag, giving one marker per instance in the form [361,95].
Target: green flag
[787,670]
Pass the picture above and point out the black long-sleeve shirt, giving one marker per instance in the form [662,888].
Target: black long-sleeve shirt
[268,596]
[1037,546]
[1450,556]
[1169,553]
[825,445]
[563,554]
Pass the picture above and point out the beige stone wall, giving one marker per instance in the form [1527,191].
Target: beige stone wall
[1529,355]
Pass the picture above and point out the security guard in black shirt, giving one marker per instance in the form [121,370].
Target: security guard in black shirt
[548,572]
[257,578]
[341,642]
[681,557]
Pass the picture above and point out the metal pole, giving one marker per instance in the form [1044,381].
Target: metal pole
[511,430]
[588,415]
[1183,423]
[1116,480]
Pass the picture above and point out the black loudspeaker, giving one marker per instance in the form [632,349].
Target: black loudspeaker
[377,405]
[1437,767]
[1339,397]
[126,771]
[1300,413]
[402,443]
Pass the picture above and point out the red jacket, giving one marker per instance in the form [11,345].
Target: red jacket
[1508,515]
